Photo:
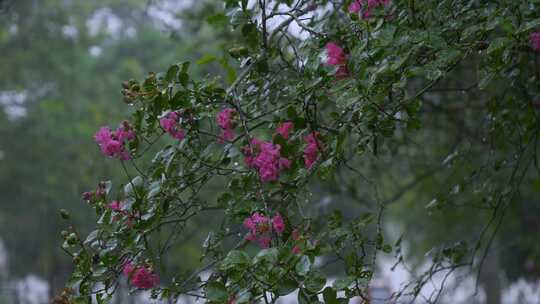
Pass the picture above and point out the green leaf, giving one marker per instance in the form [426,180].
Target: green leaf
[286,286]
[238,17]
[243,296]
[343,283]
[269,255]
[206,58]
[235,258]
[218,20]
[171,73]
[305,298]
[536,185]
[303,265]
[216,291]
[183,78]
[529,26]
[485,78]
[498,44]
[91,237]
[386,35]
[330,296]
[154,189]
[136,182]
[315,281]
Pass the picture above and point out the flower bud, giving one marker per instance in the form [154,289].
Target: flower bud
[87,195]
[64,214]
[238,52]
[72,239]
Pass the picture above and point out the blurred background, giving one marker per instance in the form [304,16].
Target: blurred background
[61,66]
[62,63]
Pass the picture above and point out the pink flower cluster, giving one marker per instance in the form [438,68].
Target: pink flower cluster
[284,129]
[140,276]
[225,120]
[120,211]
[113,143]
[171,124]
[337,57]
[266,158]
[116,206]
[97,195]
[535,41]
[366,6]
[261,227]
[311,151]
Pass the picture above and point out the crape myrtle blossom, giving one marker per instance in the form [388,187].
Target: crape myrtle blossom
[535,41]
[266,158]
[140,276]
[94,196]
[366,6]
[225,118]
[116,207]
[113,143]
[226,121]
[261,228]
[284,129]
[337,57]
[171,123]
[311,150]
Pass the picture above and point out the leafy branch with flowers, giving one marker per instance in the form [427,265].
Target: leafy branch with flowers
[355,79]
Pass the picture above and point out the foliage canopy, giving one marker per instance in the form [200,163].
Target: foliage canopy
[355,88]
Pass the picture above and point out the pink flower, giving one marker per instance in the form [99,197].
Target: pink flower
[250,224]
[260,228]
[335,53]
[355,7]
[296,250]
[144,278]
[284,129]
[125,132]
[284,163]
[140,276]
[103,135]
[337,57]
[226,135]
[112,147]
[128,269]
[278,223]
[266,158]
[115,206]
[311,151]
[264,241]
[113,143]
[225,118]
[171,124]
[88,195]
[368,6]
[535,41]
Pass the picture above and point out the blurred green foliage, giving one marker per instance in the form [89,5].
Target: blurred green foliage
[68,59]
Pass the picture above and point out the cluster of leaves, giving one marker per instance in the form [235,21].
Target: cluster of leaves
[394,59]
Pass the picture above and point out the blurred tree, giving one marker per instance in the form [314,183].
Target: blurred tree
[62,64]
